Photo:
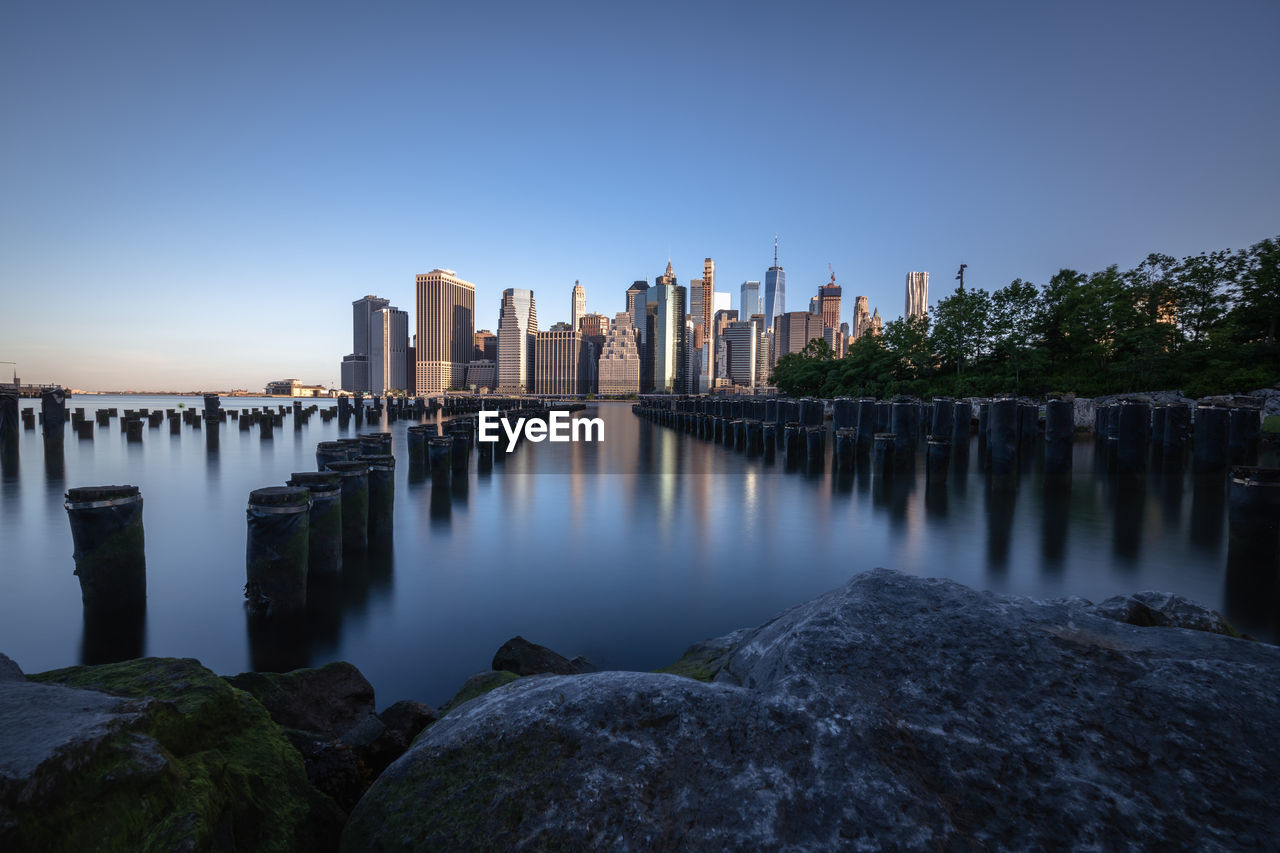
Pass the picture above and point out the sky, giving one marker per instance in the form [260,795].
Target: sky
[192,194]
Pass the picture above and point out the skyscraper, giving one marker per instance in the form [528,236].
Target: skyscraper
[741,350]
[355,366]
[917,294]
[618,370]
[361,316]
[579,306]
[388,341]
[708,288]
[486,346]
[446,330]
[793,331]
[775,289]
[861,317]
[517,332]
[560,363]
[749,301]
[665,312]
[829,304]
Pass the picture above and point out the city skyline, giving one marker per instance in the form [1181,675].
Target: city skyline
[240,184]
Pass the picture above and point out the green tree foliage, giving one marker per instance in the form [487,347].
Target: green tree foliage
[1207,323]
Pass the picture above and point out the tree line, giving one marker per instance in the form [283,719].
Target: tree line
[1206,324]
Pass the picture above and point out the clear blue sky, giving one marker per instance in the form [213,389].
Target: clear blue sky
[192,193]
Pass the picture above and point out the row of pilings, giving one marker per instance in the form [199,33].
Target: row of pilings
[1219,440]
[297,533]
[302,530]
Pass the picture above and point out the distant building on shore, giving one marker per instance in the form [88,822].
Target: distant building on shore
[295,388]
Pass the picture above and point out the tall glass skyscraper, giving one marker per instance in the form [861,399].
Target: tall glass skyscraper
[775,290]
[750,300]
[517,336]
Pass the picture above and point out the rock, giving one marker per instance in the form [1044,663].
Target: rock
[151,754]
[478,685]
[1164,610]
[522,657]
[894,712]
[406,719]
[329,700]
[335,769]
[9,669]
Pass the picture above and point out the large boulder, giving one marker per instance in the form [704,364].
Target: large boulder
[894,712]
[328,700]
[149,755]
[328,714]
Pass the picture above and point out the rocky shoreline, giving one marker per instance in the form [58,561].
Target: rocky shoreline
[893,712]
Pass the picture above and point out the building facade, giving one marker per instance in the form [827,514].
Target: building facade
[517,340]
[618,371]
[486,346]
[388,346]
[355,367]
[917,294]
[446,330]
[793,330]
[560,363]
[861,317]
[579,307]
[750,301]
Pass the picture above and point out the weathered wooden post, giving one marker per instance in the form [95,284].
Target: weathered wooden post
[110,548]
[277,550]
[355,503]
[324,544]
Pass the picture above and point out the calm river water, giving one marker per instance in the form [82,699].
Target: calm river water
[626,551]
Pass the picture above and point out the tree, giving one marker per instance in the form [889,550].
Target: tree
[803,373]
[908,341]
[1204,289]
[1014,310]
[960,328]
[1260,288]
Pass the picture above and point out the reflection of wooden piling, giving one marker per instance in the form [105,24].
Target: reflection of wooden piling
[277,550]
[883,444]
[110,548]
[938,460]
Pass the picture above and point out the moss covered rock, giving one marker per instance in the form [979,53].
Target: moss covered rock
[149,755]
[478,685]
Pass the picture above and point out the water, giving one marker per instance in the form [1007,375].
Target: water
[626,551]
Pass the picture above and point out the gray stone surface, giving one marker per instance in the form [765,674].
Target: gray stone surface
[892,713]
[1152,608]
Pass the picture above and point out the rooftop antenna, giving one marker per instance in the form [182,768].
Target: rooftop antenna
[775,249]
